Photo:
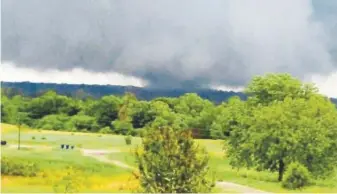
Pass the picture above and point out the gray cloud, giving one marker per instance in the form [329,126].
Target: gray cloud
[173,43]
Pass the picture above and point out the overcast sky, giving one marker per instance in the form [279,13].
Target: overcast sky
[169,43]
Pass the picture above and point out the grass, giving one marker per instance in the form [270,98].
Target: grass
[108,178]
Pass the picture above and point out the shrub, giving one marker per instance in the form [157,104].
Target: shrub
[33,137]
[17,167]
[128,140]
[105,130]
[169,161]
[296,176]
[43,138]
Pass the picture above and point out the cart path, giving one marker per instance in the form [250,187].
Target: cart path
[100,155]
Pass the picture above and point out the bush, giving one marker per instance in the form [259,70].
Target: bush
[169,161]
[33,137]
[128,140]
[43,138]
[17,167]
[105,130]
[296,176]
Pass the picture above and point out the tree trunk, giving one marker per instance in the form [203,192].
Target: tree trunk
[280,170]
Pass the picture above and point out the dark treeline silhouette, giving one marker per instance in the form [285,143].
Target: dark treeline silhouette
[96,91]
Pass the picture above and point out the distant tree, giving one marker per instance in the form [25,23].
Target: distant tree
[169,161]
[51,103]
[122,127]
[53,122]
[105,110]
[228,117]
[82,122]
[141,114]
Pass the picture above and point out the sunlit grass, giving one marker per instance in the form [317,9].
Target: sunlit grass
[103,177]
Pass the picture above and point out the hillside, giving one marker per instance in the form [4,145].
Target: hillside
[97,91]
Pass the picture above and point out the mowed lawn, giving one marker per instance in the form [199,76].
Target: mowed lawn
[101,177]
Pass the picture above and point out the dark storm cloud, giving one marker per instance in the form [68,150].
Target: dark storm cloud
[172,43]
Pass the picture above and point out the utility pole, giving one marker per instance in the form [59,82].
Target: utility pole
[19,136]
[21,118]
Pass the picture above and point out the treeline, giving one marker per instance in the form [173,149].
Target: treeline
[83,91]
[111,114]
[127,115]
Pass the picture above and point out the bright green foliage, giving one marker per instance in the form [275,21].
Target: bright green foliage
[164,116]
[204,122]
[141,114]
[227,118]
[8,111]
[53,122]
[273,136]
[276,87]
[167,100]
[51,103]
[18,167]
[296,176]
[11,107]
[122,127]
[192,106]
[82,123]
[105,130]
[105,110]
[169,161]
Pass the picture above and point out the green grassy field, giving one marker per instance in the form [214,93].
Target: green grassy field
[103,177]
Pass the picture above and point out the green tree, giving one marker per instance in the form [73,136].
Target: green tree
[82,122]
[276,87]
[141,114]
[294,130]
[53,122]
[169,161]
[51,103]
[228,117]
[105,110]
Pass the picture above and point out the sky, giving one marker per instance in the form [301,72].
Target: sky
[170,43]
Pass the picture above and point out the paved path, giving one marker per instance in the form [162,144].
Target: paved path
[100,155]
[236,187]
